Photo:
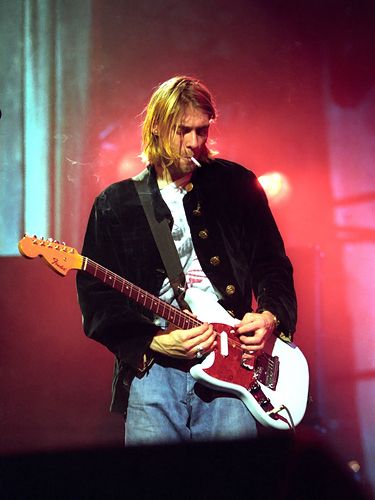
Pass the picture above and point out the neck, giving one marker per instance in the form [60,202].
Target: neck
[171,174]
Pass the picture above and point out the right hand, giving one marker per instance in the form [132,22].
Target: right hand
[184,343]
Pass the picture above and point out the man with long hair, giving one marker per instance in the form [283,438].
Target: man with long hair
[229,248]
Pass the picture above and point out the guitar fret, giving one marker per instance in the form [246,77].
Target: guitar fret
[131,291]
[149,302]
[119,283]
[163,310]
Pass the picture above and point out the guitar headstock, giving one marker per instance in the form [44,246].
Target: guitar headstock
[58,256]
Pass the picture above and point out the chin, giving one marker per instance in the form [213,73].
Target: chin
[188,168]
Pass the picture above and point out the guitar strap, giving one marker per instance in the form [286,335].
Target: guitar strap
[164,241]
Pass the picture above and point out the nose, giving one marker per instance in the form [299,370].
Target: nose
[191,140]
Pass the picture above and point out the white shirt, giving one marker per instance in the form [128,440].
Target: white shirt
[173,195]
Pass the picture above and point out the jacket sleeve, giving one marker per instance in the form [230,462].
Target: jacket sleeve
[272,272]
[107,315]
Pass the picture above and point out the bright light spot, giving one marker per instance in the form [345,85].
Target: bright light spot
[354,465]
[275,185]
[130,165]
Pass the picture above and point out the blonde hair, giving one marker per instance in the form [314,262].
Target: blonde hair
[164,113]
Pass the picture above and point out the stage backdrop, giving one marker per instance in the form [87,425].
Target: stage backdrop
[295,89]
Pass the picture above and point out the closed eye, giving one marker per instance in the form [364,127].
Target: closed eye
[201,131]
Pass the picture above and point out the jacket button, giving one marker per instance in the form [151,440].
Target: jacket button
[197,211]
[189,186]
[230,289]
[203,234]
[215,261]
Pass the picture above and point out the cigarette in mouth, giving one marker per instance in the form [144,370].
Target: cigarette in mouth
[196,162]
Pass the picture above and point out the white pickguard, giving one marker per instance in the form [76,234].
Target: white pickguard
[293,382]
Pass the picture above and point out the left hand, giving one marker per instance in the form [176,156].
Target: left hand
[253,331]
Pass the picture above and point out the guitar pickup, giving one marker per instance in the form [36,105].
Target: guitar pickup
[224,350]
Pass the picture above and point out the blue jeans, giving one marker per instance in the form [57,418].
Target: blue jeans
[167,406]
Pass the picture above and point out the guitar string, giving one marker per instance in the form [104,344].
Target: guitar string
[184,316]
[107,272]
[148,296]
[235,344]
[114,276]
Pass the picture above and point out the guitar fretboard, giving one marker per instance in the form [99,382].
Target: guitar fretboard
[160,308]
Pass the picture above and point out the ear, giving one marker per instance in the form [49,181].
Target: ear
[155,131]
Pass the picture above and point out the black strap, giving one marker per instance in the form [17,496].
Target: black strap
[164,241]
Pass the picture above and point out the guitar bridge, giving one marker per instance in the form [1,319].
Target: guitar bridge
[267,370]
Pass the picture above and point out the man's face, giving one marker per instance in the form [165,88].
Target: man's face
[191,136]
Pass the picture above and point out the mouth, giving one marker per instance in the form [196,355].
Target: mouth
[193,159]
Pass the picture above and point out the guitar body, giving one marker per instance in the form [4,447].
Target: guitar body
[280,404]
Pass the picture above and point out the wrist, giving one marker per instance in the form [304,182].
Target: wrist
[271,320]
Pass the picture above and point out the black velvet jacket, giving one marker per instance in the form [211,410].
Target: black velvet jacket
[235,238]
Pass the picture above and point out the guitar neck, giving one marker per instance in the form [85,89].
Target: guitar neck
[160,308]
